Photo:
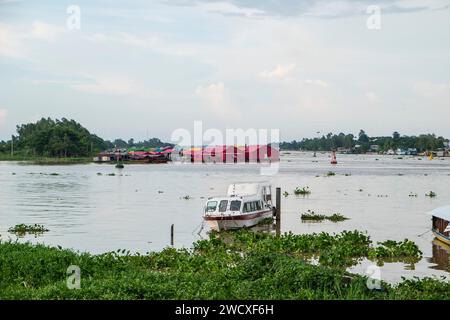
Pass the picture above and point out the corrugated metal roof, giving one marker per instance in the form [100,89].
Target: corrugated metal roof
[442,213]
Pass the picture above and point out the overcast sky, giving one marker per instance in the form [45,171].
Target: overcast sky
[299,66]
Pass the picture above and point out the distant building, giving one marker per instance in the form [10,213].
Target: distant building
[375,148]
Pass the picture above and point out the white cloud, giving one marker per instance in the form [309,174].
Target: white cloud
[372,97]
[125,38]
[13,40]
[10,42]
[213,93]
[279,72]
[228,8]
[111,86]
[429,89]
[319,83]
[215,96]
[3,114]
[44,31]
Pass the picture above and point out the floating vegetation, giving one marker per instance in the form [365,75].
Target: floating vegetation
[285,194]
[347,174]
[111,174]
[242,265]
[413,195]
[382,196]
[360,190]
[54,174]
[302,191]
[99,173]
[312,216]
[13,173]
[336,217]
[431,194]
[22,229]
[160,191]
[187,197]
[396,251]
[330,174]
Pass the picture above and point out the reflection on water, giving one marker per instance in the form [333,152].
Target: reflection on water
[87,209]
[441,256]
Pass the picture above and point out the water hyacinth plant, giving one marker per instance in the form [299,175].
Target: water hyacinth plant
[311,216]
[228,265]
[22,229]
[302,191]
[431,194]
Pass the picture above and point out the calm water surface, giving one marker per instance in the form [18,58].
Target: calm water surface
[135,208]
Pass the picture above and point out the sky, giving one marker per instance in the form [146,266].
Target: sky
[141,69]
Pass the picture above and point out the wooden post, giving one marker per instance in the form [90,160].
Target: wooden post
[278,204]
[171,234]
[278,211]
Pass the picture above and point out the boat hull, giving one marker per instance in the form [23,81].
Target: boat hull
[442,237]
[231,222]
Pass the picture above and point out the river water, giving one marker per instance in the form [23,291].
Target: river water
[87,209]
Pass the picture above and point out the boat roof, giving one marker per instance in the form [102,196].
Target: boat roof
[246,188]
[441,212]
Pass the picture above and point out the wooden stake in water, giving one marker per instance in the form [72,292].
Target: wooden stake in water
[171,234]
[278,211]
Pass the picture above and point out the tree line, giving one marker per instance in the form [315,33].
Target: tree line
[423,142]
[68,138]
[63,138]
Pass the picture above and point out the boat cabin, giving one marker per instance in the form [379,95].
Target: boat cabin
[441,223]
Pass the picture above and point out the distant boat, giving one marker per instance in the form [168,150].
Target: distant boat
[441,223]
[245,205]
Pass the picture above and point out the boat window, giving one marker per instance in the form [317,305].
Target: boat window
[247,207]
[211,206]
[223,205]
[258,205]
[253,206]
[235,205]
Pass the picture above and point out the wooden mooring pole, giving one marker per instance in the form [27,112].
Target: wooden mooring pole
[171,234]
[278,211]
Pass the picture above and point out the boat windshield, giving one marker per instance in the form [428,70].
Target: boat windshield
[223,205]
[211,206]
[235,205]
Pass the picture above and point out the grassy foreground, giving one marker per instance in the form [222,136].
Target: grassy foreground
[239,265]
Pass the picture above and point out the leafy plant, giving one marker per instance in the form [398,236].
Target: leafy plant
[431,194]
[22,229]
[302,191]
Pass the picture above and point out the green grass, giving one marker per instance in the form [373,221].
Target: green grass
[229,265]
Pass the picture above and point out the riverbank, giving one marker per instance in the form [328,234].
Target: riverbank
[238,265]
[45,160]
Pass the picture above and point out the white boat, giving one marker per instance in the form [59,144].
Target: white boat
[245,205]
[441,223]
